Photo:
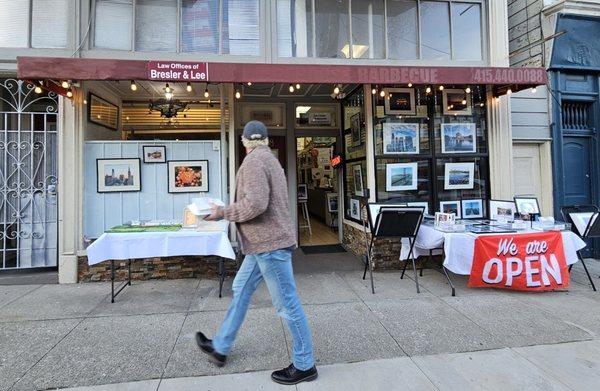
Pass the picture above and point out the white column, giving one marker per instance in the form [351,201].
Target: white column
[498,112]
[70,189]
[370,142]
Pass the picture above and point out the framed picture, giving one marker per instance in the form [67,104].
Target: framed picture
[443,218]
[358,182]
[302,192]
[420,204]
[459,176]
[271,114]
[319,119]
[451,207]
[118,175]
[355,208]
[102,112]
[188,176]
[399,139]
[472,209]
[355,129]
[527,205]
[400,101]
[401,176]
[502,210]
[459,138]
[456,102]
[332,202]
[154,153]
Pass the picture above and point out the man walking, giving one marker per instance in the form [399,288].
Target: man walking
[262,213]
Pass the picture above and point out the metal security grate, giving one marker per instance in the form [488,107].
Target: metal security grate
[28,176]
[575,115]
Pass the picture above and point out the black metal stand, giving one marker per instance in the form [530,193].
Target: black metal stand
[112,280]
[221,276]
[411,256]
[367,258]
[586,270]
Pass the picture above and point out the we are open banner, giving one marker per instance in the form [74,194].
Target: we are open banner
[530,262]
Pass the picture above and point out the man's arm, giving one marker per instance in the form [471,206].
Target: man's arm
[255,200]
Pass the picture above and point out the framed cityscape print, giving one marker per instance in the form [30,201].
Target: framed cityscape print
[401,176]
[188,176]
[459,138]
[456,102]
[400,101]
[154,153]
[355,128]
[118,175]
[451,207]
[400,139]
[358,182]
[472,209]
[459,176]
[502,210]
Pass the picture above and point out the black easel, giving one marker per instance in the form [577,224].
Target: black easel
[592,230]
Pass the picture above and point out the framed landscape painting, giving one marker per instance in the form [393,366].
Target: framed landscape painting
[401,176]
[399,139]
[502,210]
[472,209]
[459,176]
[118,175]
[188,176]
[451,207]
[459,138]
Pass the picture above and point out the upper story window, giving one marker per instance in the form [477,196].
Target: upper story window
[196,26]
[381,29]
[34,23]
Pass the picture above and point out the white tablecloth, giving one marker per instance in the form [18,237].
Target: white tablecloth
[459,247]
[122,246]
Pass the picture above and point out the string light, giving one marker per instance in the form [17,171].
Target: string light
[481,104]
[167,88]
[409,85]
[441,88]
[69,93]
[336,89]
[373,90]
[85,101]
[297,86]
[249,83]
[382,93]
[38,88]
[291,88]
[168,95]
[64,84]
[133,86]
[464,102]
[509,91]
[206,93]
[468,90]
[428,90]
[189,87]
[237,94]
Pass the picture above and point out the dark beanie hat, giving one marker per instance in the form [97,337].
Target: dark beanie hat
[255,130]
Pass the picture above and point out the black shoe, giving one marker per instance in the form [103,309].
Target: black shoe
[206,346]
[292,375]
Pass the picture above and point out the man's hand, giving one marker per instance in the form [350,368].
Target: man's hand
[216,212]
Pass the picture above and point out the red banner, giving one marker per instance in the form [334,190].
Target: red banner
[530,262]
[177,71]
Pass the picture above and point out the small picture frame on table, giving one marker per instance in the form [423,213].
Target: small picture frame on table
[501,210]
[527,205]
[472,209]
[451,207]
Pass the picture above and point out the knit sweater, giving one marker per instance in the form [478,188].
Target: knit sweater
[261,208]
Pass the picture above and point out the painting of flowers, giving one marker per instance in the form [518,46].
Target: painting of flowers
[188,176]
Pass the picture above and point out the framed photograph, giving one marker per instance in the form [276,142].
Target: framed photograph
[188,176]
[271,114]
[102,112]
[420,204]
[456,102]
[459,138]
[355,128]
[400,139]
[443,218]
[302,192]
[451,207]
[527,205]
[355,209]
[358,182]
[472,209]
[459,176]
[332,202]
[400,101]
[502,210]
[154,153]
[118,175]
[401,176]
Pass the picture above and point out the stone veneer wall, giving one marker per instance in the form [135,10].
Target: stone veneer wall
[385,254]
[156,268]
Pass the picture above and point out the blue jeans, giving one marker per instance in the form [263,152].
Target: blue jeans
[275,268]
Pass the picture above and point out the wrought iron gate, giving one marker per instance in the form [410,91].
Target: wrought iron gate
[28,176]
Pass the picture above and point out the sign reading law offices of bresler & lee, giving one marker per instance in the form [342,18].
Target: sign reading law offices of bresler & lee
[177,71]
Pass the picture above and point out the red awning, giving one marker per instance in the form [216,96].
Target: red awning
[38,68]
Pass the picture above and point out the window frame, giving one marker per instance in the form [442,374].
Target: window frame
[484,24]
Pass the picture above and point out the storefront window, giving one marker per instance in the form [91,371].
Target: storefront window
[378,29]
[431,148]
[205,26]
[49,23]
[355,152]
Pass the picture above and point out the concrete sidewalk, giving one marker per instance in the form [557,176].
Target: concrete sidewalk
[58,336]
[568,366]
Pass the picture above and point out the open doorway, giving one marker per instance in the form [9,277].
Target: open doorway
[317,191]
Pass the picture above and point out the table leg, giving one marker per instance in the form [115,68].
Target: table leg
[221,276]
[129,272]
[112,281]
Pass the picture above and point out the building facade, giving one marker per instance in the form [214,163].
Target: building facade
[338,77]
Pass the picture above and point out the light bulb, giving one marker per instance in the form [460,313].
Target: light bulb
[133,86]
[189,87]
[509,91]
[69,93]
[38,89]
[409,85]
[206,94]
[336,90]
[168,95]
[481,104]
[249,83]
[382,93]
[464,102]
[428,90]
[441,88]
[374,91]
[65,84]
[533,90]
[167,88]
[297,86]
[291,88]
[237,94]
[85,101]
[468,90]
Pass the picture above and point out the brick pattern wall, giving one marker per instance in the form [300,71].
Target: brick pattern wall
[156,268]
